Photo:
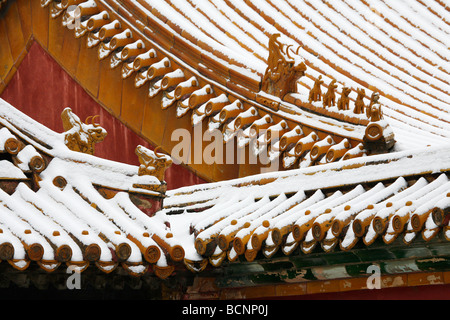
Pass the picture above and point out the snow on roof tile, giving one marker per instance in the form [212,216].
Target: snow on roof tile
[305,209]
[382,49]
[76,208]
[226,44]
[374,54]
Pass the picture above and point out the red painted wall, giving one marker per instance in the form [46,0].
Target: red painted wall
[42,89]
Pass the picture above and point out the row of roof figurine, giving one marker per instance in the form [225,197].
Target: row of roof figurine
[372,111]
[285,67]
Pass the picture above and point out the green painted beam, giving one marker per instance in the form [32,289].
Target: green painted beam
[393,259]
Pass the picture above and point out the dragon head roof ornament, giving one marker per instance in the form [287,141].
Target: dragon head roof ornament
[284,68]
[79,136]
[152,162]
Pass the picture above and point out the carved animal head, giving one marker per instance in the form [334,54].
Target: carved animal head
[94,129]
[152,162]
[346,91]
[361,93]
[81,136]
[375,97]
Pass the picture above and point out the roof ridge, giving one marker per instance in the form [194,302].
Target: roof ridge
[163,70]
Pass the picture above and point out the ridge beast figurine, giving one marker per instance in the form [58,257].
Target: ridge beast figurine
[152,162]
[284,68]
[79,136]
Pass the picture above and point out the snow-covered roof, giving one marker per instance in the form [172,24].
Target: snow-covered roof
[398,49]
[403,196]
[206,59]
[203,59]
[78,209]
[62,206]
